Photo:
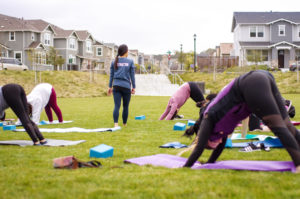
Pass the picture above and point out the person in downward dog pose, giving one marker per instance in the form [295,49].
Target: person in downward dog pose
[120,81]
[188,89]
[43,96]
[13,96]
[254,92]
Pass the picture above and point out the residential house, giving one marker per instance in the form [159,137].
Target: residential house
[224,50]
[66,44]
[26,40]
[110,51]
[141,60]
[134,55]
[85,52]
[273,37]
[99,56]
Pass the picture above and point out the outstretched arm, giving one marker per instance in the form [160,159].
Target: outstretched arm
[172,111]
[217,152]
[203,136]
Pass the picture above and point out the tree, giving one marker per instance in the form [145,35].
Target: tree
[54,58]
[31,53]
[209,52]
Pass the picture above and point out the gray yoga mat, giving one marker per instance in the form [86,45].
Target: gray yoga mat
[73,130]
[51,142]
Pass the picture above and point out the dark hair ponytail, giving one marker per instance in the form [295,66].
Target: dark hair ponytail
[122,50]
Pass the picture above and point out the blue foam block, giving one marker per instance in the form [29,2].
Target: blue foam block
[191,122]
[43,122]
[1,123]
[179,126]
[101,151]
[140,117]
[9,127]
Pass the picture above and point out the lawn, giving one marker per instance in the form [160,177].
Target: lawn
[27,172]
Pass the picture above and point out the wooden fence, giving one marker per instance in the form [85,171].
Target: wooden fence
[207,63]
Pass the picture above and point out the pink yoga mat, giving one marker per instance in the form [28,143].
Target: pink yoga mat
[171,161]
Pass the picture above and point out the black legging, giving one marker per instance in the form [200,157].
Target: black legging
[262,96]
[264,100]
[15,98]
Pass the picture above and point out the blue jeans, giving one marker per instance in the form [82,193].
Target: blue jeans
[119,93]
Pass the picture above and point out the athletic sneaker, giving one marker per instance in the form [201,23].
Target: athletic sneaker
[179,116]
[252,147]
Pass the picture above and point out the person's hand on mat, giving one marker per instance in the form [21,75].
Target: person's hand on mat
[133,91]
[109,92]
[298,169]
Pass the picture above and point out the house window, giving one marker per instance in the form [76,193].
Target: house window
[257,55]
[2,53]
[297,57]
[256,31]
[281,30]
[18,56]
[253,31]
[99,51]
[72,59]
[72,43]
[12,36]
[32,36]
[88,46]
[264,55]
[47,38]
[260,31]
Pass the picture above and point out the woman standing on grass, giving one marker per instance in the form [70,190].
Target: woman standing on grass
[120,81]
[13,96]
[254,92]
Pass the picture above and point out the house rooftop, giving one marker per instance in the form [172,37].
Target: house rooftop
[83,34]
[8,23]
[263,17]
[226,48]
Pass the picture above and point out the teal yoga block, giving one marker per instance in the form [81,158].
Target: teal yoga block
[101,151]
[141,117]
[191,122]
[9,127]
[179,126]
[1,123]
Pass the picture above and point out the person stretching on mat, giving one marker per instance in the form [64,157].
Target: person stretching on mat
[186,90]
[43,96]
[120,81]
[13,96]
[254,92]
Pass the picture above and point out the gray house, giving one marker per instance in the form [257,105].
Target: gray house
[85,54]
[274,36]
[22,39]
[66,43]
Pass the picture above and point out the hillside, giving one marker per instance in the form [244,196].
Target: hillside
[66,83]
[287,82]
[76,84]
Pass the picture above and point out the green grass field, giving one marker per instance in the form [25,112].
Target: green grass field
[27,172]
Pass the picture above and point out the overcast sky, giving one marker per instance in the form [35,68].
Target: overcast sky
[152,26]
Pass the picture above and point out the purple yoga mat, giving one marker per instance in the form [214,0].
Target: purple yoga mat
[171,161]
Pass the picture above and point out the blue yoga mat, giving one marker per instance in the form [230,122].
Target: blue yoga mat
[175,145]
[268,142]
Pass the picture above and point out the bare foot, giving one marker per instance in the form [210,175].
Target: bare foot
[116,124]
[125,124]
[298,169]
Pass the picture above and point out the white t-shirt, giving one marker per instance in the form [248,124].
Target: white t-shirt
[39,98]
